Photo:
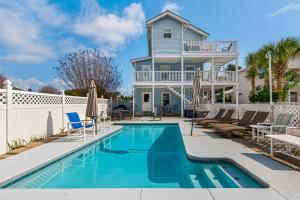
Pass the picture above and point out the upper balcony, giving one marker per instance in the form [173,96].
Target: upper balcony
[220,77]
[197,46]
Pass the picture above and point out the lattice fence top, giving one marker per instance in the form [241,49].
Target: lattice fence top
[75,100]
[292,109]
[2,97]
[35,98]
[274,110]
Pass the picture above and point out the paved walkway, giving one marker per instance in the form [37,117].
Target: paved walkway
[284,182]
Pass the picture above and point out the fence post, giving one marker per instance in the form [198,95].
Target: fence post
[8,87]
[62,109]
[111,106]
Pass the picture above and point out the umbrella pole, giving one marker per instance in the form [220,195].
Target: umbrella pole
[192,122]
[96,126]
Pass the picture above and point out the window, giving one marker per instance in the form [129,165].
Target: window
[166,99]
[165,68]
[146,67]
[146,97]
[293,96]
[189,67]
[167,32]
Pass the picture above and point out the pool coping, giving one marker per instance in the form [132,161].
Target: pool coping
[144,193]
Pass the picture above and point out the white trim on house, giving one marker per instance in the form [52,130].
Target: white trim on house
[167,13]
[161,97]
[140,59]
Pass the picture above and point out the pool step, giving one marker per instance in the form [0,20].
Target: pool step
[195,181]
[43,178]
[230,181]
[212,178]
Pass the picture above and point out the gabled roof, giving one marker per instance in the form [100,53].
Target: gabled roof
[179,18]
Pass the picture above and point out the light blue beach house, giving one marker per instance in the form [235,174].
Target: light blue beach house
[177,48]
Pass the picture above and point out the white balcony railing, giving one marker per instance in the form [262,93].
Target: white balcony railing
[175,76]
[209,46]
[189,75]
[168,76]
[225,76]
[143,76]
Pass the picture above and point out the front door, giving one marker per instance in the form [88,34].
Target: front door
[146,101]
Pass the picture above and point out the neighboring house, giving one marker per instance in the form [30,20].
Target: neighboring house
[176,48]
[245,84]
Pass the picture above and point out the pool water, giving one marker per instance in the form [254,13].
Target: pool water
[138,156]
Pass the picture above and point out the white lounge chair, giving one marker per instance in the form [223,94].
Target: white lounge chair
[286,138]
[280,126]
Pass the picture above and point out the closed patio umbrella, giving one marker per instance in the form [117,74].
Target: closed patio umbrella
[197,82]
[92,108]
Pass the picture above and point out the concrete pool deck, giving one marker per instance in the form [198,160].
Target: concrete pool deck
[284,182]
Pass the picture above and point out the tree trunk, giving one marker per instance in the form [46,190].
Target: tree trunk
[280,88]
[253,84]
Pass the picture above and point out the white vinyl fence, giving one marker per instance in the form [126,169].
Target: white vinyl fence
[29,115]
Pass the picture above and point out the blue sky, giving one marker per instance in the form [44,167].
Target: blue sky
[34,34]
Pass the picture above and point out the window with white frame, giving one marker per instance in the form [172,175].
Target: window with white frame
[189,67]
[167,32]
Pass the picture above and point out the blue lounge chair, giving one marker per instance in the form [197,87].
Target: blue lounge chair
[76,124]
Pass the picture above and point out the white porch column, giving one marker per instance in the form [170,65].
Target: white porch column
[237,87]
[289,96]
[182,101]
[133,101]
[223,94]
[212,94]
[212,69]
[182,68]
[63,109]
[153,72]
[153,98]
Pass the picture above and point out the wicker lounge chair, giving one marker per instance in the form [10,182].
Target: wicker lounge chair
[227,118]
[217,116]
[229,129]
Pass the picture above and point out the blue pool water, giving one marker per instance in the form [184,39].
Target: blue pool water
[138,156]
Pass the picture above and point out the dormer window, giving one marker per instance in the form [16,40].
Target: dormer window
[167,32]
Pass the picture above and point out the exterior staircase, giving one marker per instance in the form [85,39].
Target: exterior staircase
[188,95]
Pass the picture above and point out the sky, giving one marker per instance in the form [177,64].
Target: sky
[35,34]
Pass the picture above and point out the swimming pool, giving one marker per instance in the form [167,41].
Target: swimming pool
[138,156]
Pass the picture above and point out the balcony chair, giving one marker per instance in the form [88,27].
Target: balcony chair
[227,49]
[75,123]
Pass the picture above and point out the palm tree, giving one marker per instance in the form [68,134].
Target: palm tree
[262,62]
[252,68]
[285,50]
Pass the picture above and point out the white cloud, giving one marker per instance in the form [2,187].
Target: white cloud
[34,84]
[171,6]
[289,7]
[69,45]
[109,29]
[24,24]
